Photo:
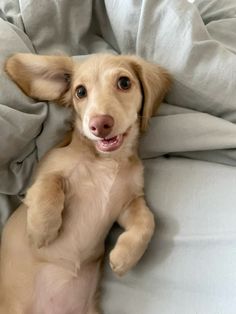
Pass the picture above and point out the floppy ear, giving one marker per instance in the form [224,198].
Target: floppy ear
[155,82]
[41,77]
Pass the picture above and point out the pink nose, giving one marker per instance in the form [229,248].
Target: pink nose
[101,125]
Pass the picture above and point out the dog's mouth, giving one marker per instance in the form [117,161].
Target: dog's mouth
[110,144]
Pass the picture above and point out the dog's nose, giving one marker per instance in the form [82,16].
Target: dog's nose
[101,125]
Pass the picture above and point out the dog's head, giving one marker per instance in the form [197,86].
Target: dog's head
[112,96]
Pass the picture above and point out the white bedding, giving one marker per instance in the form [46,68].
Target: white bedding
[190,266]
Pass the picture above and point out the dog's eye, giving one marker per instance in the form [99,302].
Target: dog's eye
[124,83]
[81,91]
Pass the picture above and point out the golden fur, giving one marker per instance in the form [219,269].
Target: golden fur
[53,244]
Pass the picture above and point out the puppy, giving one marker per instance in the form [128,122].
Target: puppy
[52,246]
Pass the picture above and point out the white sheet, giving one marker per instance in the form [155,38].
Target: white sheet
[190,266]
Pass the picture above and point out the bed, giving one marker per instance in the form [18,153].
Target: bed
[189,150]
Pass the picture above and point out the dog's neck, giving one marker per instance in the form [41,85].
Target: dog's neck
[81,143]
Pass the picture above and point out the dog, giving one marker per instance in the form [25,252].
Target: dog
[53,244]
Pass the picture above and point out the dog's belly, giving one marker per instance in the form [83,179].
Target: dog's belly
[58,291]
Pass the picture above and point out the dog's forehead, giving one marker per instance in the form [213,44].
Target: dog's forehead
[98,65]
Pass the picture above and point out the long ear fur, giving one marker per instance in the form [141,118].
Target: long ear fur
[155,82]
[41,77]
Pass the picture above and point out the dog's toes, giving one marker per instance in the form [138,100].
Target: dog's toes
[40,240]
[120,261]
[117,269]
[41,233]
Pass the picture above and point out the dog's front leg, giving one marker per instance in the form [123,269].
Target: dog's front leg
[138,222]
[45,202]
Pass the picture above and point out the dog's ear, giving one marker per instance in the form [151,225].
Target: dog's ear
[155,82]
[41,77]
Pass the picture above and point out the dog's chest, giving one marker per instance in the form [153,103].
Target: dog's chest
[92,184]
[95,194]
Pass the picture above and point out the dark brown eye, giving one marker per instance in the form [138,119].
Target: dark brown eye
[124,83]
[81,91]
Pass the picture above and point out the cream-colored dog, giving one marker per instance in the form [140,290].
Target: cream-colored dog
[52,246]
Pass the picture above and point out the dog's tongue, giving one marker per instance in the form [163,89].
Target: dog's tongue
[110,144]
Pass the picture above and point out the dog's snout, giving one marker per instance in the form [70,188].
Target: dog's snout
[101,125]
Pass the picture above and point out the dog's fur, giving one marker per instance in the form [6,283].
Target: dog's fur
[53,244]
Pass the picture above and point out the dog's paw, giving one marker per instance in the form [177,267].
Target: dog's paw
[121,260]
[42,232]
[39,239]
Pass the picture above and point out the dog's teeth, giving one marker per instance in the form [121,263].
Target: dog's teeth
[111,141]
[109,144]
